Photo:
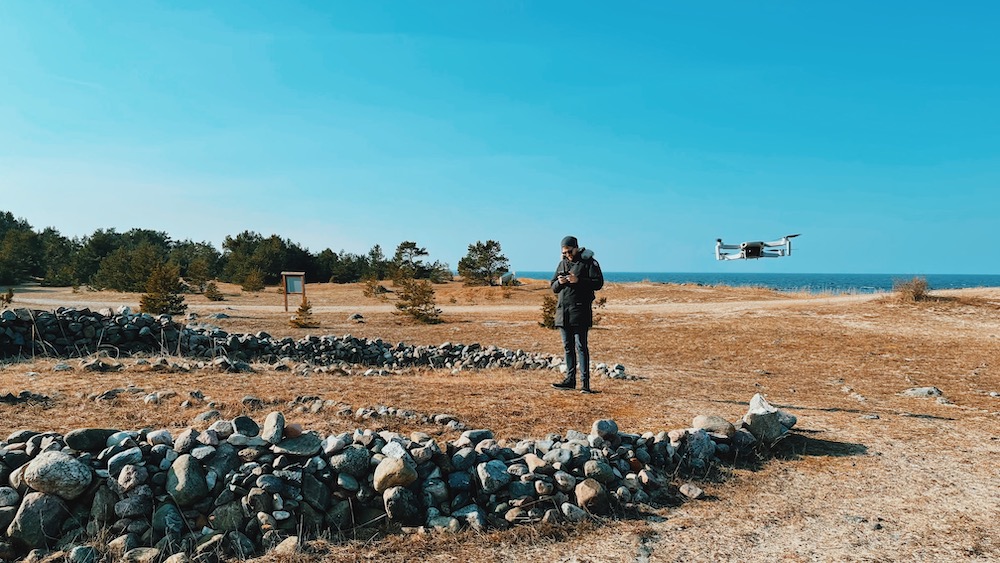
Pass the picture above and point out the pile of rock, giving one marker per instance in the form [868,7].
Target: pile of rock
[72,332]
[240,488]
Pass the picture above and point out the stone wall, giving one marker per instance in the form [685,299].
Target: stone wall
[242,486]
[77,333]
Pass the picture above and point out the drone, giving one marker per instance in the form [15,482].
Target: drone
[755,249]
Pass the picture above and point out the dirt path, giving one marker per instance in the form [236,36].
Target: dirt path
[626,307]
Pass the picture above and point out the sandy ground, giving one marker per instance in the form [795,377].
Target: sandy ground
[868,475]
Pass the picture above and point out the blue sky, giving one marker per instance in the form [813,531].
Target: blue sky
[646,129]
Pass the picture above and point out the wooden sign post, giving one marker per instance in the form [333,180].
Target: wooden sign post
[293,282]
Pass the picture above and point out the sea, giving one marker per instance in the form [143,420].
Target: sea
[811,283]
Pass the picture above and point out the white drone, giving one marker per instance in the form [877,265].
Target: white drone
[754,249]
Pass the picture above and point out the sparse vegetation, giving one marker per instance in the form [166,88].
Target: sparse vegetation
[549,302]
[371,288]
[163,292]
[911,290]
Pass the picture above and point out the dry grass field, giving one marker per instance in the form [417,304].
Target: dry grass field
[869,474]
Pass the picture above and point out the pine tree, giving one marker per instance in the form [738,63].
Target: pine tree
[416,299]
[163,292]
[254,281]
[303,316]
[212,292]
[483,264]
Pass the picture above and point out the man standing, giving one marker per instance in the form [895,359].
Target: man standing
[576,279]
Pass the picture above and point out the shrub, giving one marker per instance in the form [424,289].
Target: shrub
[303,317]
[600,304]
[163,292]
[915,289]
[549,302]
[7,298]
[212,292]
[416,299]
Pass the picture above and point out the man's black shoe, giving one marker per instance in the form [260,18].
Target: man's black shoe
[587,391]
[565,385]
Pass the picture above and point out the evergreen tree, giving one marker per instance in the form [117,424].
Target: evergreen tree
[212,292]
[254,281]
[163,292]
[128,268]
[58,254]
[303,317]
[484,263]
[378,266]
[416,299]
[406,262]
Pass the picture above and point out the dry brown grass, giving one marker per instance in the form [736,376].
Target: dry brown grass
[917,483]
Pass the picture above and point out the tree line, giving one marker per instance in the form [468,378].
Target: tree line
[125,261]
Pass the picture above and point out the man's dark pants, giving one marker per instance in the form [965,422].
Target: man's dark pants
[575,346]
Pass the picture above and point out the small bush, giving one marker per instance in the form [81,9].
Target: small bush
[7,298]
[303,316]
[599,304]
[549,302]
[912,290]
[212,292]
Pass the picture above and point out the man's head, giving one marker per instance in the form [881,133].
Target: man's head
[570,247]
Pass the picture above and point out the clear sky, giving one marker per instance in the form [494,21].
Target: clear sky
[646,129]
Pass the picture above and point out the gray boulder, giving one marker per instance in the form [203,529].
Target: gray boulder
[38,520]
[130,456]
[471,516]
[605,428]
[700,449]
[82,554]
[306,445]
[186,481]
[246,426]
[353,460]
[922,392]
[274,427]
[763,421]
[573,513]
[88,439]
[9,497]
[598,470]
[58,474]
[401,506]
[228,517]
[493,475]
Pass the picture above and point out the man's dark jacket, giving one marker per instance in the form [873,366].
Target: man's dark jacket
[573,307]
